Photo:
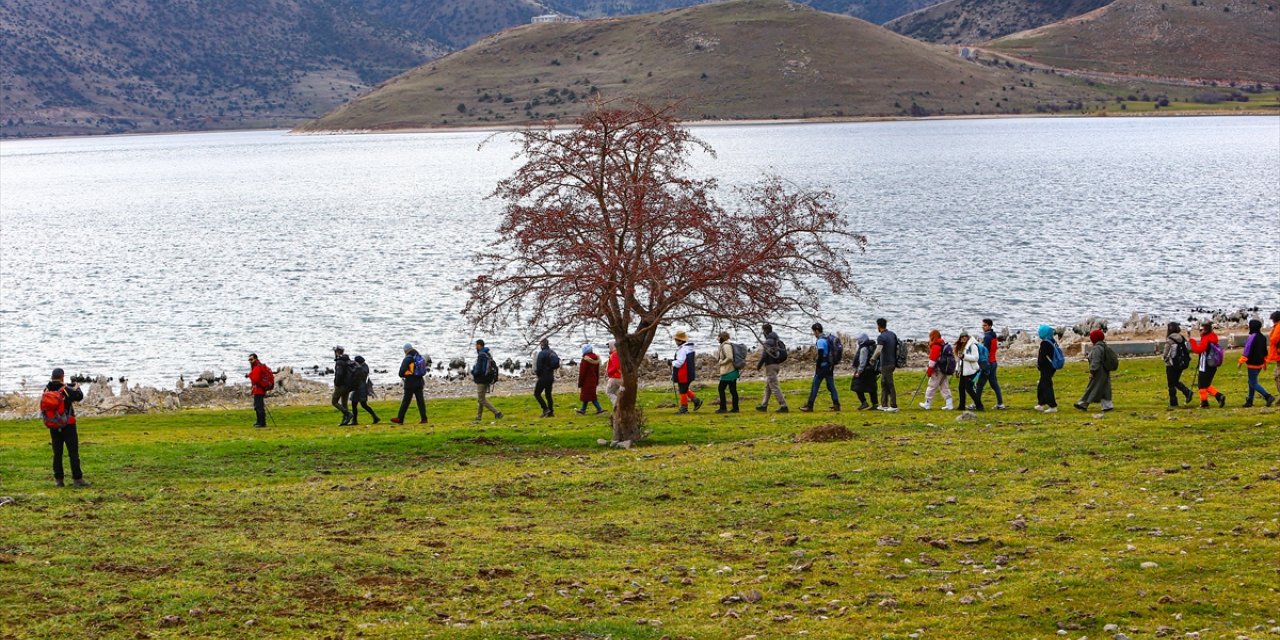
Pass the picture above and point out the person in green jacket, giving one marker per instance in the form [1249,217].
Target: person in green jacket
[1099,389]
[728,373]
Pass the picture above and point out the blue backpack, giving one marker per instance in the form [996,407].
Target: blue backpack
[947,360]
[1058,359]
[984,356]
[419,365]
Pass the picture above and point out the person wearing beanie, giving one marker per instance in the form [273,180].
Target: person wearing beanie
[939,380]
[1255,361]
[1273,346]
[1099,388]
[413,371]
[1211,357]
[589,380]
[1046,400]
[968,368]
[1177,357]
[729,374]
[544,368]
[360,388]
[684,370]
[613,370]
[824,369]
[261,380]
[341,383]
[60,417]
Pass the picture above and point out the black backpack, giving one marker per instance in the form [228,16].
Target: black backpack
[947,360]
[780,354]
[835,350]
[491,370]
[1181,355]
[900,354]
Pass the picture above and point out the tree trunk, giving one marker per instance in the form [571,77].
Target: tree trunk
[628,419]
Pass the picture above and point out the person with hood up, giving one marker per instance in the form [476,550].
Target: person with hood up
[613,371]
[62,426]
[483,373]
[544,369]
[413,370]
[1273,346]
[341,383]
[865,372]
[360,391]
[1099,388]
[260,381]
[1046,399]
[728,373]
[589,379]
[1177,357]
[939,380]
[824,369]
[772,354]
[968,368]
[684,370]
[1255,361]
[1211,357]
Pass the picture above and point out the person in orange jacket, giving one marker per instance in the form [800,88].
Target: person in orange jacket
[1273,346]
[1255,360]
[1211,358]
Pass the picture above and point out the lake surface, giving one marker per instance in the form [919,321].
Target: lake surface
[159,255]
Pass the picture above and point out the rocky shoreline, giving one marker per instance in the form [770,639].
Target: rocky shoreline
[106,396]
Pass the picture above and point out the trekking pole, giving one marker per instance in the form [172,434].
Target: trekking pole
[918,386]
[270,415]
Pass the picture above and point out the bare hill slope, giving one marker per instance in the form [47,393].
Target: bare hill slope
[973,21]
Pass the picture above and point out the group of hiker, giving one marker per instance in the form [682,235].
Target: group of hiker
[973,360]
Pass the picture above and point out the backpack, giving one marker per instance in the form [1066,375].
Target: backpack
[1058,359]
[1110,361]
[835,349]
[53,409]
[739,356]
[269,380]
[1213,355]
[947,360]
[491,370]
[900,354]
[554,360]
[984,355]
[1181,355]
[780,353]
[419,365]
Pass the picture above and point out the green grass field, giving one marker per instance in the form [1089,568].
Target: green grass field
[1017,525]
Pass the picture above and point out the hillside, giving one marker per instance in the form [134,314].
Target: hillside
[1221,40]
[973,21]
[876,11]
[101,66]
[734,60]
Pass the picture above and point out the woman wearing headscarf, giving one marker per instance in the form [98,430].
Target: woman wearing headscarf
[1255,360]
[865,370]
[728,373]
[1099,389]
[589,379]
[1046,400]
[968,368]
[1211,358]
[1177,357]
[939,379]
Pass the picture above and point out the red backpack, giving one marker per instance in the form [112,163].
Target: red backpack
[53,408]
[269,379]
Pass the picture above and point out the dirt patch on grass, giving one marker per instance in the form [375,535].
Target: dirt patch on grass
[825,433]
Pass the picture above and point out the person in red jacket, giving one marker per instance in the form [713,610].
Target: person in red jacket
[1273,346]
[589,380]
[261,379]
[939,379]
[613,370]
[1211,357]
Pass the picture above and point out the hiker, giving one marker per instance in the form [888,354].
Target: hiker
[729,374]
[824,368]
[1048,360]
[942,364]
[413,371]
[1254,360]
[684,370]
[772,355]
[58,411]
[484,373]
[1099,388]
[1177,357]
[261,380]
[1273,346]
[1211,357]
[589,380]
[545,364]
[613,371]
[341,383]
[969,367]
[992,343]
[887,346]
[865,372]
[360,388]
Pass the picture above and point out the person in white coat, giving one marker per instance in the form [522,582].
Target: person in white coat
[968,368]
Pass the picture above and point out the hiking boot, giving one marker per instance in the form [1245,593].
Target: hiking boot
[863,407]
[376,420]
[1248,404]
[1204,404]
[806,409]
[722,410]
[353,423]
[697,403]
[948,407]
[422,421]
[1222,400]
[79,482]
[925,406]
[259,426]
[1187,393]
[1084,407]
[761,408]
[1271,400]
[497,416]
[346,420]
[783,410]
[400,421]
[682,410]
[733,410]
[550,414]
[57,482]
[581,412]
[599,411]
[835,408]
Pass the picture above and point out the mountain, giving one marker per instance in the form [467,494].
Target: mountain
[106,66]
[734,60]
[974,21]
[877,11]
[456,23]
[1220,40]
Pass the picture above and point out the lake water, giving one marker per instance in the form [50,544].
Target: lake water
[154,256]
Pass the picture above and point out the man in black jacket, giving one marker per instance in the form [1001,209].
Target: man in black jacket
[544,367]
[413,370]
[360,391]
[771,358]
[65,435]
[341,383]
